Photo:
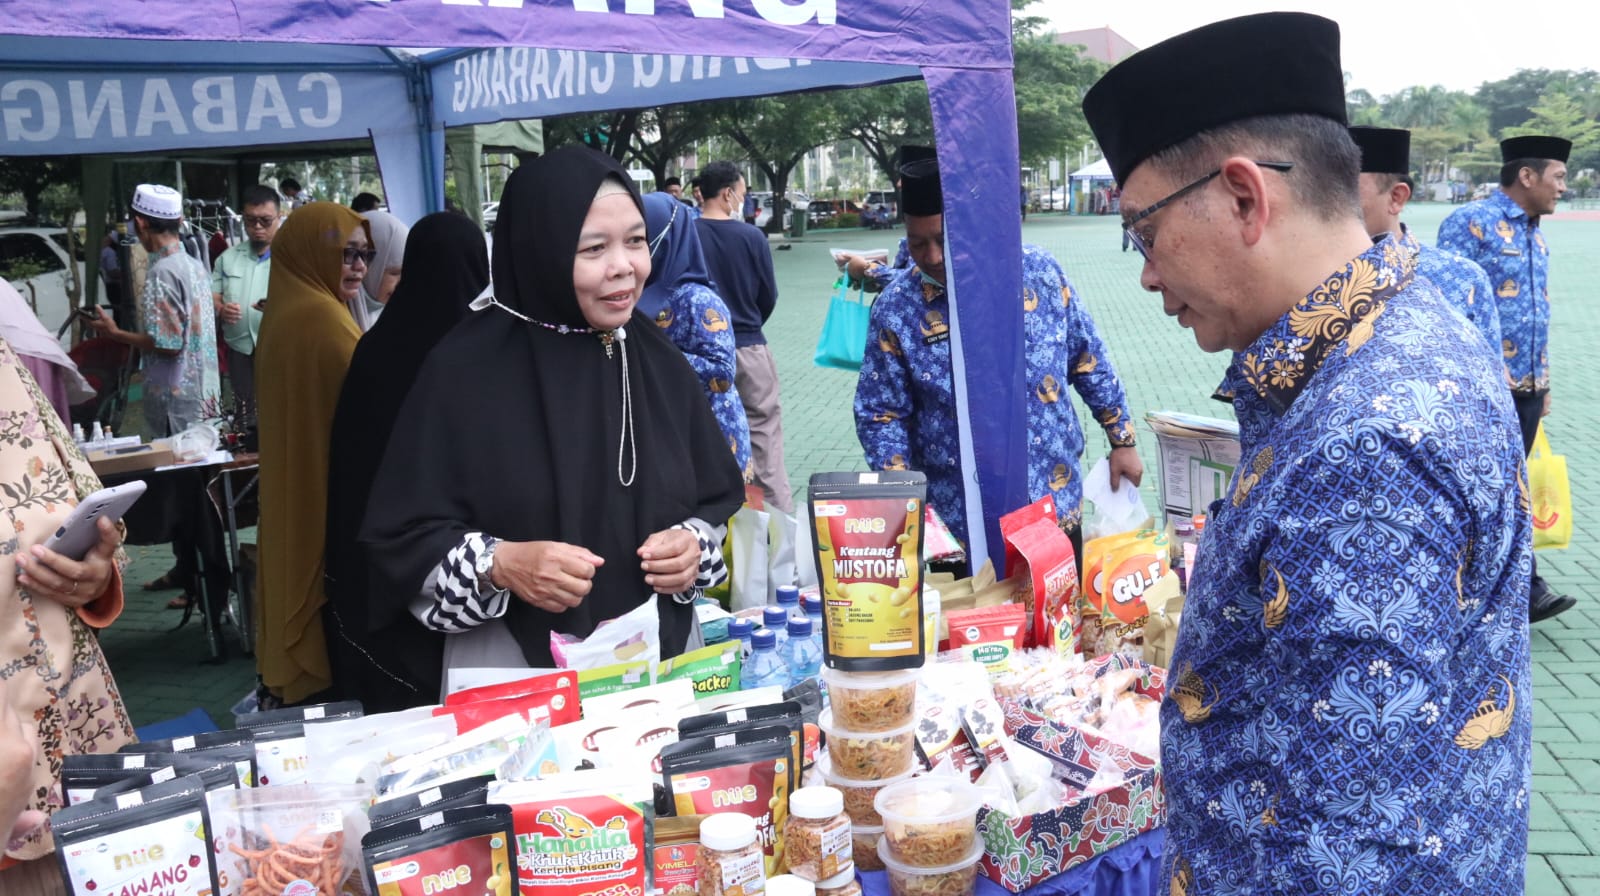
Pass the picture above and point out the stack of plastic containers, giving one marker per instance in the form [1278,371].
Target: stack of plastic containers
[870,729]
[930,836]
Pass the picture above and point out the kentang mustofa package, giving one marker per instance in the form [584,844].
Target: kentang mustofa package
[748,771]
[470,850]
[868,543]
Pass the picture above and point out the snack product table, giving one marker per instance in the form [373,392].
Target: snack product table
[1132,869]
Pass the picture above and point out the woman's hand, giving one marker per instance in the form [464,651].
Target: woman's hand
[69,582]
[551,575]
[671,560]
[18,751]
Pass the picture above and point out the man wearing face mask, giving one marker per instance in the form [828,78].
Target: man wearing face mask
[741,268]
[905,398]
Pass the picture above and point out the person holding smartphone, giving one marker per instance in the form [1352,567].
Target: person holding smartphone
[54,681]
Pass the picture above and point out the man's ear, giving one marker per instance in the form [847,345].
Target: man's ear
[1399,195]
[1248,204]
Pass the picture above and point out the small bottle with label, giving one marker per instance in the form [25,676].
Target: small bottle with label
[1193,549]
[817,834]
[731,862]
[1182,539]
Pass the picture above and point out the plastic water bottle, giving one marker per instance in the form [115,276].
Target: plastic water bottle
[766,666]
[741,630]
[776,620]
[789,599]
[812,604]
[804,651]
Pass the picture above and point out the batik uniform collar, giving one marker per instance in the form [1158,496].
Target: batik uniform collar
[1409,239]
[1339,313]
[931,288]
[1502,200]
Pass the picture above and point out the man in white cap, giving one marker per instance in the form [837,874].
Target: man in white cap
[1348,710]
[178,342]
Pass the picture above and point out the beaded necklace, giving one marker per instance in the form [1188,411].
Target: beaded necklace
[610,339]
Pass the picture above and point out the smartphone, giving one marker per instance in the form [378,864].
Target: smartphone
[79,533]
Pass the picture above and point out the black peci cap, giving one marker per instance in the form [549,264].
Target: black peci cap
[921,193]
[1515,148]
[1276,63]
[1383,150]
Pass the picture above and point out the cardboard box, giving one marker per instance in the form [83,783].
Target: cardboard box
[1022,852]
[1165,602]
[130,460]
[1197,456]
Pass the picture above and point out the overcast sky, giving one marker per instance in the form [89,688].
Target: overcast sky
[1387,45]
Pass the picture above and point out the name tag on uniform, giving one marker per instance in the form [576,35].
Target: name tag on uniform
[1510,251]
[936,338]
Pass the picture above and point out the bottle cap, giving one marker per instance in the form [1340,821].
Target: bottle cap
[739,629]
[799,626]
[816,802]
[812,603]
[764,639]
[774,617]
[788,596]
[727,832]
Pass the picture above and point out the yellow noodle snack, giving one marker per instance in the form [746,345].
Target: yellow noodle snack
[868,756]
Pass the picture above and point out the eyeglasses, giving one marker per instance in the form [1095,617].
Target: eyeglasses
[262,221]
[366,255]
[1145,243]
[662,236]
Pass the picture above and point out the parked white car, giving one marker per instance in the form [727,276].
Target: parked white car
[798,201]
[41,252]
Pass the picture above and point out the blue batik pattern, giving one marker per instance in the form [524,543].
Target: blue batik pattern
[1463,284]
[1349,708]
[905,398]
[1498,235]
[879,276]
[697,322]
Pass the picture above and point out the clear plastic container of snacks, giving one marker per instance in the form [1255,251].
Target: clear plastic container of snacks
[842,884]
[858,795]
[868,756]
[958,878]
[929,822]
[816,835]
[865,850]
[872,701]
[731,861]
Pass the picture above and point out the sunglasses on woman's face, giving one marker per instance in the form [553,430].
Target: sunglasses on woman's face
[366,255]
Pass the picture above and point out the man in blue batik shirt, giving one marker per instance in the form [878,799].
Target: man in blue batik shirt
[1501,233]
[1348,707]
[1386,187]
[905,398]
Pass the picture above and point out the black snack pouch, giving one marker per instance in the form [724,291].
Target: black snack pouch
[787,713]
[471,850]
[344,709]
[156,839]
[450,795]
[749,771]
[867,534]
[237,746]
[83,775]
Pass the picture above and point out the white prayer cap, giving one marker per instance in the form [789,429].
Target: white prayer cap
[158,201]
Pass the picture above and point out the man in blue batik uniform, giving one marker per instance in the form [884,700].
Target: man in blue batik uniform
[1501,233]
[905,399]
[1386,187]
[1348,709]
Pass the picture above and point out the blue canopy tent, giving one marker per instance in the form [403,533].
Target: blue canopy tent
[81,77]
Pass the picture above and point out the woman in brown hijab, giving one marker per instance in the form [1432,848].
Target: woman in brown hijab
[307,337]
[53,677]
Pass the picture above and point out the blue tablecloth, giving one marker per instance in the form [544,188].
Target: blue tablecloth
[195,721]
[1132,869]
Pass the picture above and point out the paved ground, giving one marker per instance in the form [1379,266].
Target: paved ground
[161,677]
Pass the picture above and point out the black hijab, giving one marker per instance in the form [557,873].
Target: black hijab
[513,429]
[381,656]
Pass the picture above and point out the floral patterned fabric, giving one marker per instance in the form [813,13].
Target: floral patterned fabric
[178,314]
[1498,235]
[905,398]
[1349,709]
[1462,282]
[696,321]
[51,660]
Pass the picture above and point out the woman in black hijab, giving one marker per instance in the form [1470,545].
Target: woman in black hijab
[561,462]
[381,655]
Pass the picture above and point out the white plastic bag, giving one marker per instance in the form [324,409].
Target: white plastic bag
[749,533]
[632,637]
[1107,511]
[781,555]
[196,442]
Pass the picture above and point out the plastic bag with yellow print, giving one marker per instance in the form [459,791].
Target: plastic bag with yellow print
[1550,494]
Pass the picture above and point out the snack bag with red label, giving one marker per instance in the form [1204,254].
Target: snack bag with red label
[1118,570]
[989,635]
[1038,551]
[153,840]
[468,850]
[582,833]
[868,543]
[749,771]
